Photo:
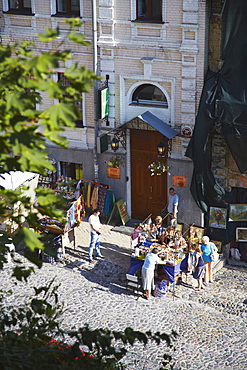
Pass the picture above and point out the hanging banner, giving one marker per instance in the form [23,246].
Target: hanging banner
[103,103]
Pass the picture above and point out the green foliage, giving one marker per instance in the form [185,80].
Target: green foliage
[24,76]
[31,336]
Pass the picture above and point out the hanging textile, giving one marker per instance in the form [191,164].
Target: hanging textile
[80,209]
[101,198]
[84,191]
[94,197]
[89,189]
[71,217]
[79,188]
[109,203]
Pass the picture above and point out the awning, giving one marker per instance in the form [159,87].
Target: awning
[148,118]
[158,124]
[14,179]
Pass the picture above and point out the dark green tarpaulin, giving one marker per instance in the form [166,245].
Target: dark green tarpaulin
[223,105]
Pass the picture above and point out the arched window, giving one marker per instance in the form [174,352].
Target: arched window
[148,94]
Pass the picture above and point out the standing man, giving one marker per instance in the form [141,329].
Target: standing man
[172,207]
[95,231]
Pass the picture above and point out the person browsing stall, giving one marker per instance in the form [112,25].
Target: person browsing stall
[148,267]
[207,248]
[136,235]
[198,266]
[95,232]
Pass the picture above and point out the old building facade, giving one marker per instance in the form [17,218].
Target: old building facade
[154,55]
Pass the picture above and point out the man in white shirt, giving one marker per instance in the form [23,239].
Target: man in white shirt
[95,231]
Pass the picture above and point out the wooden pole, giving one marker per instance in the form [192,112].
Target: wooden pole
[146,218]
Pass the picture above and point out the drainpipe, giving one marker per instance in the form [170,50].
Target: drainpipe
[95,70]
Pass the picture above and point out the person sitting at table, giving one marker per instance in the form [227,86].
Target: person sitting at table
[153,233]
[179,241]
[148,267]
[163,238]
[158,224]
[136,235]
[169,236]
[160,230]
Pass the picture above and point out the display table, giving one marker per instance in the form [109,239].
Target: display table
[170,270]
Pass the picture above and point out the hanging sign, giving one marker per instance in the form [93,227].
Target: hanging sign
[113,173]
[103,103]
[179,181]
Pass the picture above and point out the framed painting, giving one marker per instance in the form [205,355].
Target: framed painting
[218,245]
[237,212]
[241,234]
[180,227]
[217,217]
[196,233]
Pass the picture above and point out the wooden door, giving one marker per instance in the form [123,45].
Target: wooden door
[148,193]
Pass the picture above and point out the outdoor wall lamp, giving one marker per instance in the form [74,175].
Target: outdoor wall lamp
[115,144]
[161,148]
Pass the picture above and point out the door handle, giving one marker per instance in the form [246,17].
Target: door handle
[151,189]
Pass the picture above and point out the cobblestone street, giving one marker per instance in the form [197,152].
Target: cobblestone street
[211,323]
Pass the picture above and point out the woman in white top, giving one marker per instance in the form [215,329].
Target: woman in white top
[148,272]
[179,241]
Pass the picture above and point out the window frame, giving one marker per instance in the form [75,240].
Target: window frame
[69,12]
[149,17]
[70,169]
[21,10]
[79,103]
[148,102]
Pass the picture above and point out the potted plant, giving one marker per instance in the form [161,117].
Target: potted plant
[158,167]
[114,163]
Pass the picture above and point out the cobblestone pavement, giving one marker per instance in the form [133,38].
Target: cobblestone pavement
[211,323]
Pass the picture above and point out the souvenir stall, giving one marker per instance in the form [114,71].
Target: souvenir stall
[172,261]
[175,249]
[52,232]
[97,195]
[49,179]
[17,180]
[89,195]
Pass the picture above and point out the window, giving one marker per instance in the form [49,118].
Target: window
[66,83]
[71,170]
[148,94]
[68,7]
[149,10]
[20,6]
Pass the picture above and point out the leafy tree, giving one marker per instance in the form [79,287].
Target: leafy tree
[30,336]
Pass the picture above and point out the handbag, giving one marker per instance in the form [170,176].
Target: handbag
[214,255]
